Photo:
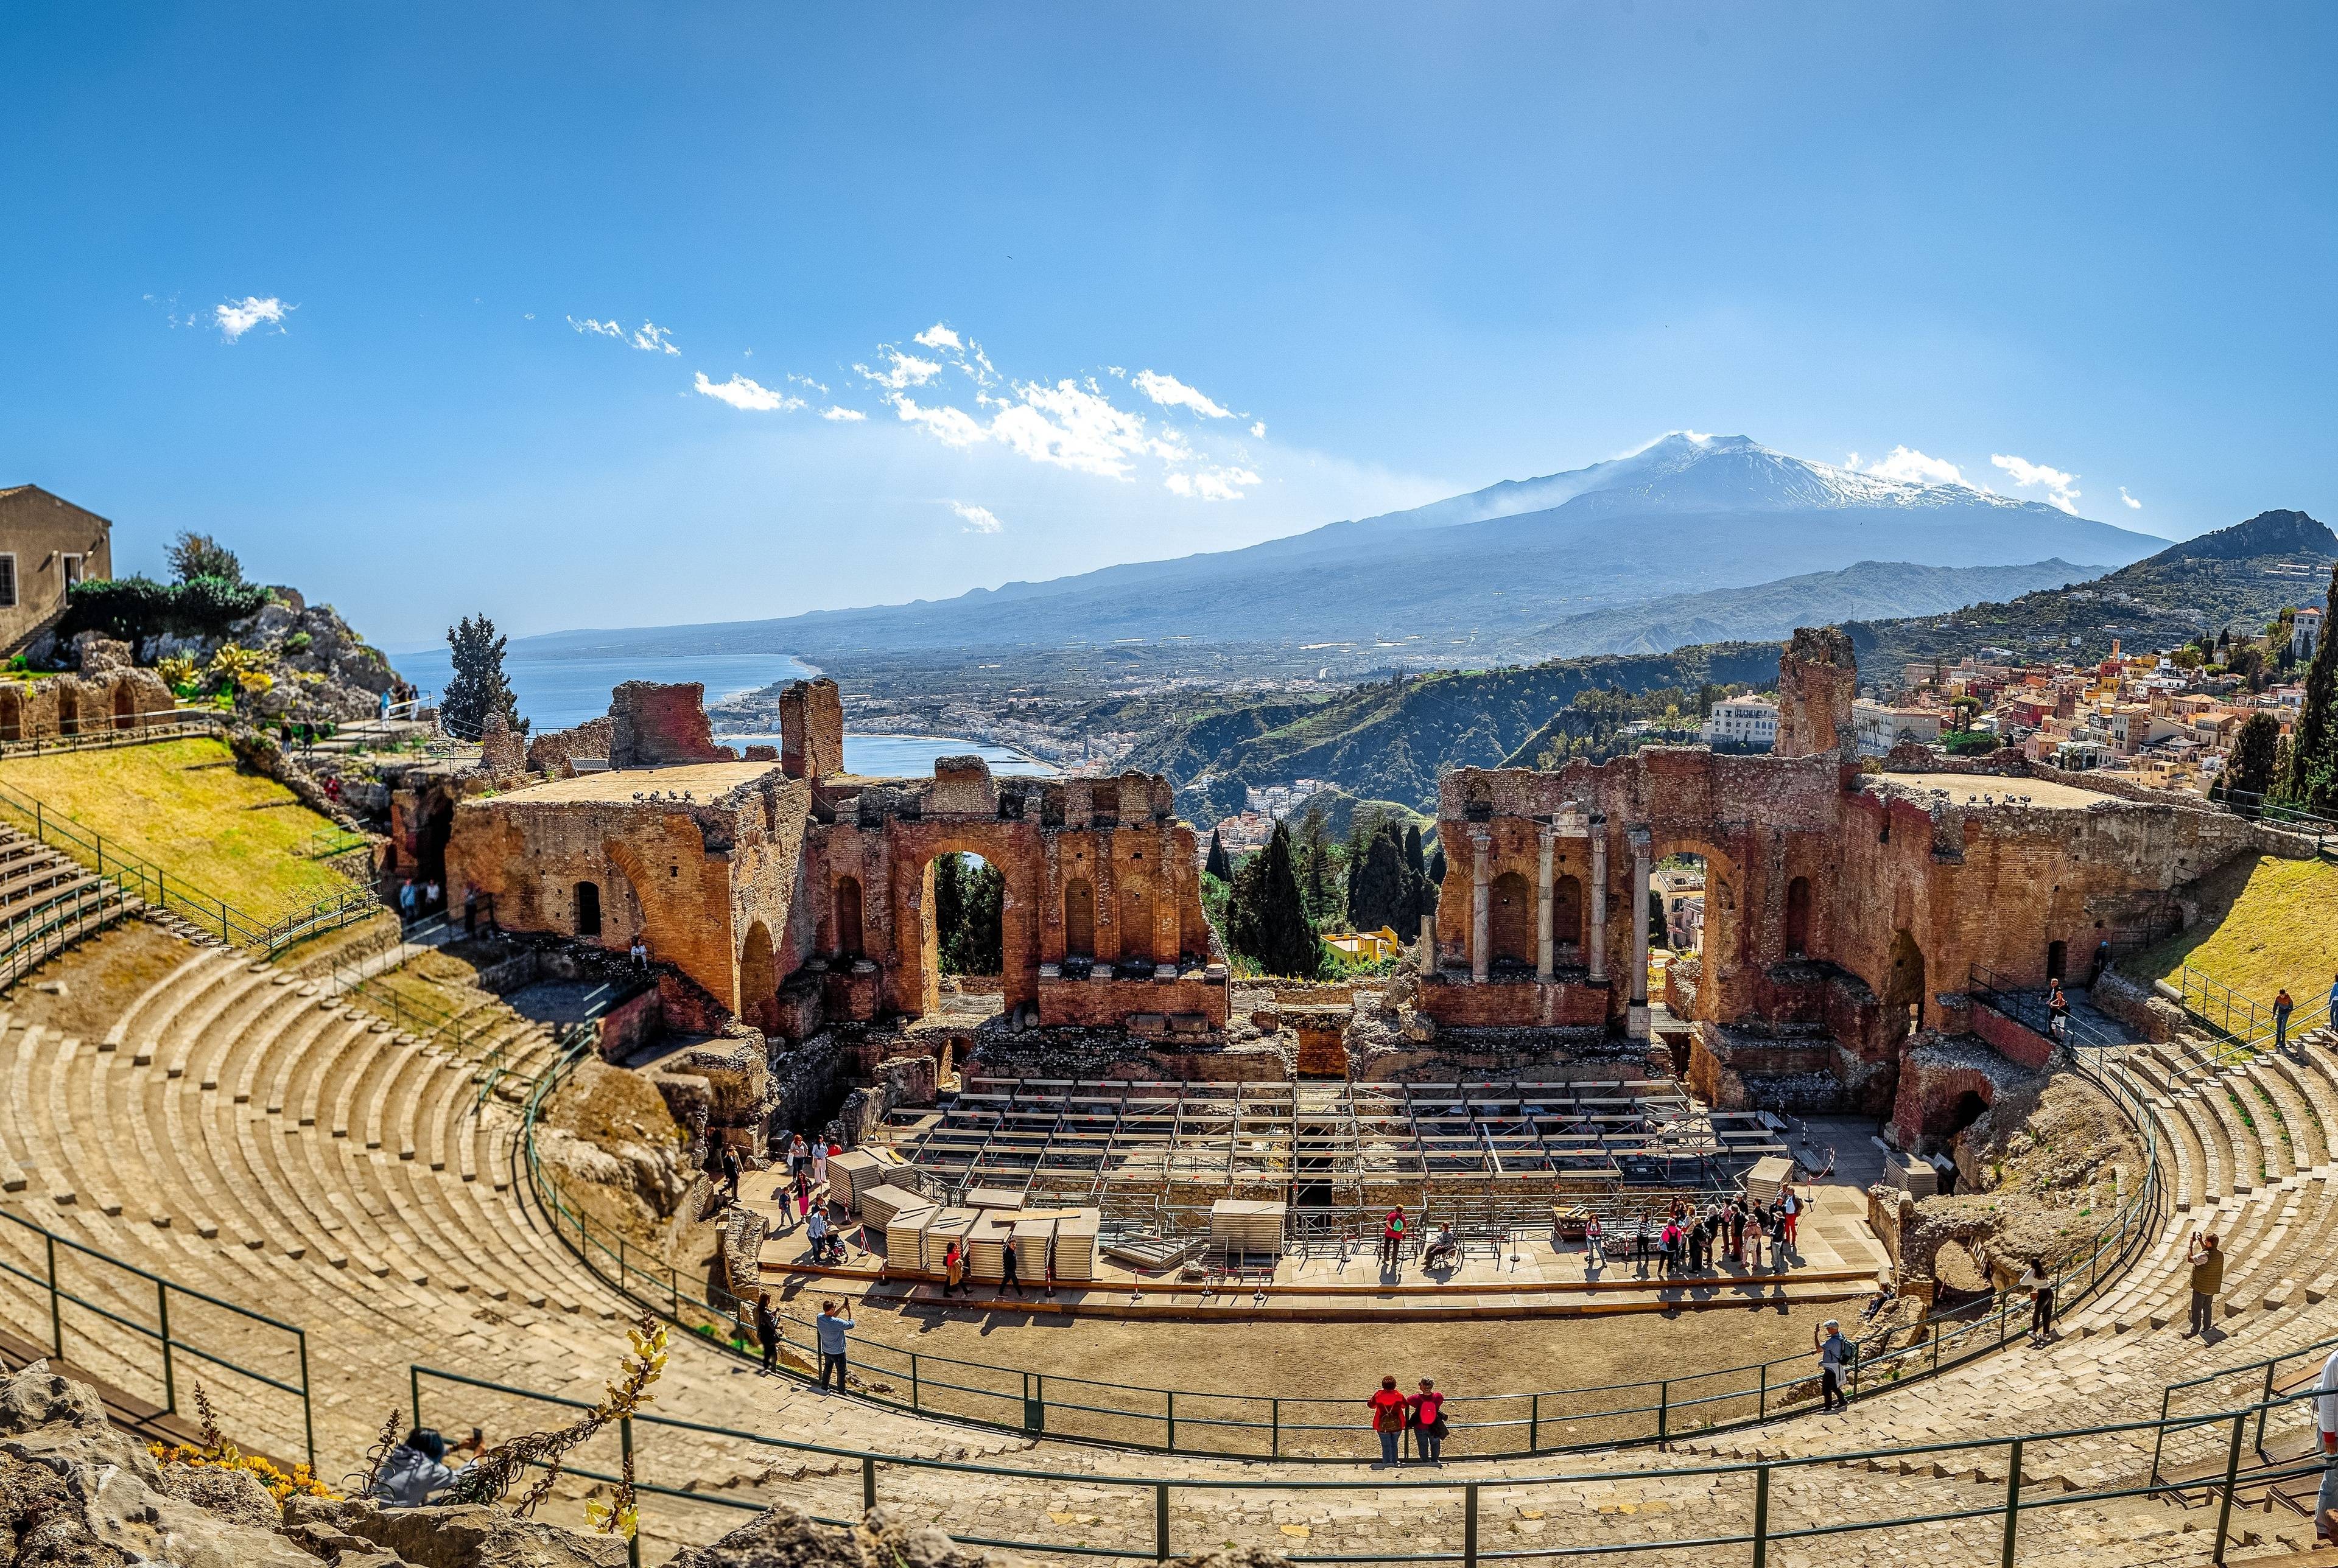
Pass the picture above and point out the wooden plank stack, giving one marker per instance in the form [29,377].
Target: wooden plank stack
[851,1173]
[879,1204]
[1243,1225]
[905,1235]
[1075,1247]
[993,1198]
[1034,1235]
[986,1248]
[946,1226]
[1769,1173]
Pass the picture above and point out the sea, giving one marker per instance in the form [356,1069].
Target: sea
[560,693]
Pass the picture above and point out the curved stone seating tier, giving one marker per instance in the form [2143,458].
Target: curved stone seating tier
[252,1136]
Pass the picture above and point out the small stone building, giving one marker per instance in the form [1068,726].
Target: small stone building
[46,545]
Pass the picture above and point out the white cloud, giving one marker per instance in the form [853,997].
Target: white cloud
[1172,393]
[2133,504]
[237,318]
[1259,429]
[842,416]
[950,426]
[1076,429]
[1910,467]
[978,519]
[651,338]
[751,395]
[805,381]
[907,370]
[1211,484]
[2060,487]
[604,328]
[938,337]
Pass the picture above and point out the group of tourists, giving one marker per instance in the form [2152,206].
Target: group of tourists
[802,1198]
[1692,1240]
[1422,1416]
[416,899]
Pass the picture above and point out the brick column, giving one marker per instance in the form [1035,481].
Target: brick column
[1637,1020]
[1550,837]
[1481,902]
[1598,897]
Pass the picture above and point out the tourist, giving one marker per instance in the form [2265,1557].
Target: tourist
[1444,1249]
[1641,1238]
[1790,1209]
[1388,1407]
[2207,1277]
[405,901]
[2331,1010]
[2282,1008]
[1392,1241]
[1736,1222]
[833,1323]
[2325,1417]
[2102,961]
[1425,1420]
[953,1269]
[820,1165]
[416,1469]
[732,1171]
[1592,1236]
[2040,1286]
[1834,1356]
[804,1191]
[1010,1275]
[767,1333]
[1882,1298]
[640,953]
[815,1231]
[1668,1242]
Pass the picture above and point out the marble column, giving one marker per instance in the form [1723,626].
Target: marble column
[1597,895]
[1481,903]
[1550,837]
[1638,838]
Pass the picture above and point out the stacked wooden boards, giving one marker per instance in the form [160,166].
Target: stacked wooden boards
[1769,1173]
[1245,1225]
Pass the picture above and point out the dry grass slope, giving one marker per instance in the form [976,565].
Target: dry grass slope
[185,806]
[2265,924]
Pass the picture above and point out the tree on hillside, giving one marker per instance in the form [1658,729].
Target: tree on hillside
[1659,930]
[479,687]
[1380,893]
[194,555]
[2311,777]
[1217,865]
[1322,878]
[2248,772]
[1267,919]
[969,903]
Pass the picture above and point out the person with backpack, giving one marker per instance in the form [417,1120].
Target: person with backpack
[1388,1407]
[416,1469]
[953,1269]
[2282,1008]
[1834,1359]
[1425,1420]
[1392,1241]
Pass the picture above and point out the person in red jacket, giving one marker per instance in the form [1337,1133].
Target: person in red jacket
[1389,1410]
[1425,1418]
[1392,1240]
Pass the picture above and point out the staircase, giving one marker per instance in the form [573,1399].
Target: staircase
[48,902]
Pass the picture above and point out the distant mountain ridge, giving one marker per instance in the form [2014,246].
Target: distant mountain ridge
[1480,572]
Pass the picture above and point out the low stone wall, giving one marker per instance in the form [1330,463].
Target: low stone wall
[1096,1004]
[1521,1004]
[2012,1038]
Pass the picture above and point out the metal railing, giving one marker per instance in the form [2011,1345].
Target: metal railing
[39,932]
[1239,1426]
[2239,1028]
[107,732]
[2032,1010]
[2317,825]
[170,1342]
[160,889]
[1750,1488]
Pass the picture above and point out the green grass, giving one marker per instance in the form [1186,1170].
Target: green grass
[185,806]
[2264,923]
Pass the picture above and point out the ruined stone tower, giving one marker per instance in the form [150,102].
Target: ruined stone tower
[1818,675]
[811,729]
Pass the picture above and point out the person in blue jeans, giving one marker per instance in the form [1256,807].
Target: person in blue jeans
[832,1324]
[1389,1410]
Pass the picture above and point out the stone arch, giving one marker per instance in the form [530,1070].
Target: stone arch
[1798,917]
[1510,923]
[125,706]
[1720,991]
[1904,988]
[1079,918]
[1135,920]
[12,713]
[1567,913]
[68,710]
[912,960]
[758,982]
[588,908]
[850,937]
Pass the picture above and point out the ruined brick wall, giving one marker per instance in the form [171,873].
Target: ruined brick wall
[553,753]
[113,698]
[656,725]
[502,752]
[811,729]
[1817,678]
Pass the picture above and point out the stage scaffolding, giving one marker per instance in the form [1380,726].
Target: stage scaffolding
[1154,1154]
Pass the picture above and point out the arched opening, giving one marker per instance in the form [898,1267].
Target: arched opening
[967,911]
[430,844]
[2056,954]
[847,917]
[68,711]
[12,714]
[1079,918]
[588,909]
[1511,920]
[1953,1117]
[125,706]
[758,980]
[1798,917]
[1566,917]
[1903,989]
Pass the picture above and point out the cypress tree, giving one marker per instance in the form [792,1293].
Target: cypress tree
[2311,779]
[479,687]
[1380,893]
[1217,865]
[2248,772]
[1285,937]
[1412,856]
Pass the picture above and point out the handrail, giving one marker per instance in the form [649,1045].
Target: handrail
[162,1334]
[1662,1410]
[161,889]
[2026,1007]
[149,728]
[34,934]
[2231,1423]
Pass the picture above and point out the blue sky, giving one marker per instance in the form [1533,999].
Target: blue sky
[1369,256]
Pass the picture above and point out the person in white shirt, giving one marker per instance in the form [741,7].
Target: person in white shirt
[2325,1417]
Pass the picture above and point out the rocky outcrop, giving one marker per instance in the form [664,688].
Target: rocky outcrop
[353,1533]
[784,1538]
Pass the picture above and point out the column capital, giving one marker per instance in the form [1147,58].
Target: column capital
[1637,836]
[1482,838]
[1548,832]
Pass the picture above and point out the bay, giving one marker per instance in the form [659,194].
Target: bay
[561,693]
[912,756]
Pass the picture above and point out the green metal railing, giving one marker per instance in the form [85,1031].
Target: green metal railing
[151,885]
[1237,1425]
[170,1342]
[36,932]
[1755,1482]
[108,731]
